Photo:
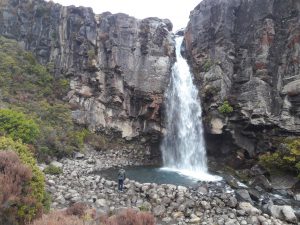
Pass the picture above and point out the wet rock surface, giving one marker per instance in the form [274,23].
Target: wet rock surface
[208,203]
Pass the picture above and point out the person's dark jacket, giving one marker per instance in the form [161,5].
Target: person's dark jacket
[121,174]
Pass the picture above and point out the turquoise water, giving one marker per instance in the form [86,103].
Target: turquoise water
[150,174]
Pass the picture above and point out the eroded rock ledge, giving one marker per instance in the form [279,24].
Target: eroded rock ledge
[118,66]
[246,52]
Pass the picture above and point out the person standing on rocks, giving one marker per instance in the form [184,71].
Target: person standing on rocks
[121,178]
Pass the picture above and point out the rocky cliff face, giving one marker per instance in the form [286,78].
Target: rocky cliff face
[248,53]
[118,66]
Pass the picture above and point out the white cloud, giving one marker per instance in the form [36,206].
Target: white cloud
[177,11]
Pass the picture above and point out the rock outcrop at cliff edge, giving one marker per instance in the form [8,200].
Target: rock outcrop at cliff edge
[246,53]
[118,66]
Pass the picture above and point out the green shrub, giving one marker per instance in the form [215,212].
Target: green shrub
[91,54]
[207,65]
[17,126]
[29,87]
[144,208]
[225,108]
[287,158]
[53,170]
[27,212]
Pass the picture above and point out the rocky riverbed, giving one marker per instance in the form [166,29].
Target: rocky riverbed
[208,203]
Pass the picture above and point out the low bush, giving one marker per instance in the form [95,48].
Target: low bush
[30,210]
[287,157]
[58,218]
[77,209]
[207,65]
[53,170]
[130,216]
[78,215]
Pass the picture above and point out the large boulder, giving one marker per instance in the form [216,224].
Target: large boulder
[284,212]
[159,210]
[248,208]
[243,196]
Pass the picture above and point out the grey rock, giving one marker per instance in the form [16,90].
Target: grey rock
[203,190]
[205,204]
[158,210]
[248,208]
[42,166]
[74,173]
[79,155]
[261,181]
[182,189]
[167,220]
[297,197]
[177,215]
[283,212]
[75,199]
[182,208]
[195,220]
[51,182]
[243,222]
[101,203]
[232,202]
[230,222]
[56,164]
[254,220]
[243,195]
[257,170]
[254,194]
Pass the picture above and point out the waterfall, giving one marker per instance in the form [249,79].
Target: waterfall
[183,147]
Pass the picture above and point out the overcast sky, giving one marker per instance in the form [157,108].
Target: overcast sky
[176,10]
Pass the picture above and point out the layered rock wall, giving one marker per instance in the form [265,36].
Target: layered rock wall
[118,66]
[246,52]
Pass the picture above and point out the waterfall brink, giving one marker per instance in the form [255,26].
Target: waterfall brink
[183,147]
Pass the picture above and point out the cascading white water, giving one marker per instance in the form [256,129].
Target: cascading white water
[183,147]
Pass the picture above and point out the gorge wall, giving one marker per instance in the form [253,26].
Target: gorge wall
[246,52]
[118,66]
[243,52]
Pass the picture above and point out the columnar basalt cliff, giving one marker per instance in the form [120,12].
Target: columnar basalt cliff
[246,53]
[118,66]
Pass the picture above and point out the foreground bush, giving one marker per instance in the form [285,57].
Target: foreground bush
[287,157]
[27,211]
[77,209]
[58,218]
[75,216]
[14,189]
[130,217]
